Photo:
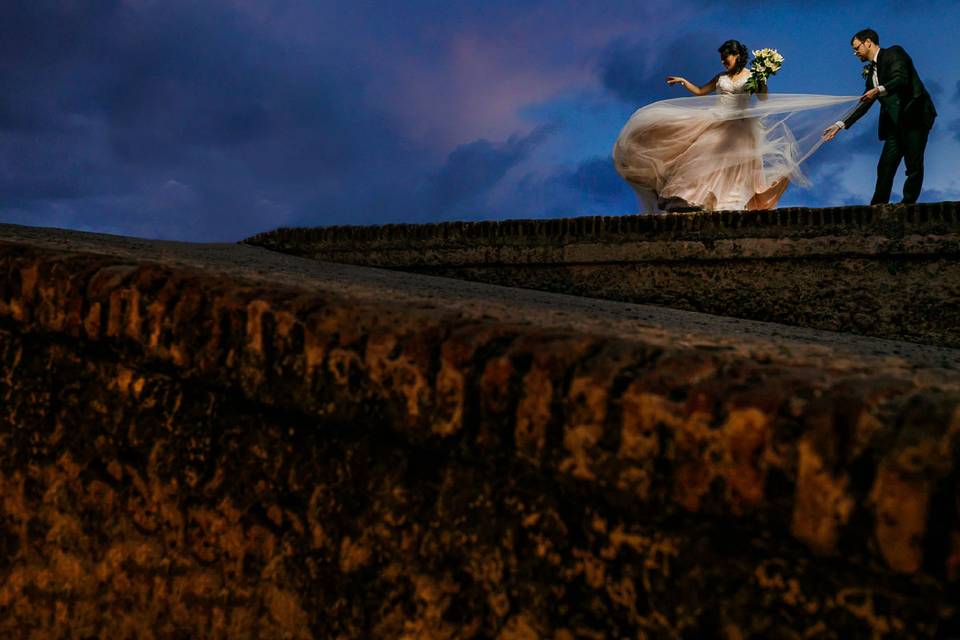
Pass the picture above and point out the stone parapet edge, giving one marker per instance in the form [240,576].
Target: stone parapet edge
[628,252]
[889,220]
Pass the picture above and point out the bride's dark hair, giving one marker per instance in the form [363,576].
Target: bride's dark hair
[735,48]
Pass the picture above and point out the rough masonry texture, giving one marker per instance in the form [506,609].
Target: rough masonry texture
[888,271]
[219,441]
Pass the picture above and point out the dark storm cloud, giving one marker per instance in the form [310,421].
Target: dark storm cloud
[934,87]
[591,187]
[178,119]
[636,72]
[474,168]
[596,179]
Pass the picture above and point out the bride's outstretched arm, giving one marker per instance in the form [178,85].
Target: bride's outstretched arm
[710,87]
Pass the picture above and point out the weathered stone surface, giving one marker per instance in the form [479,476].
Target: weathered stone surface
[888,271]
[223,442]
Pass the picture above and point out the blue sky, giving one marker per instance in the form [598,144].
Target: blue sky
[214,120]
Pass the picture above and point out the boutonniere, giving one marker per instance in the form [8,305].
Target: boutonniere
[867,71]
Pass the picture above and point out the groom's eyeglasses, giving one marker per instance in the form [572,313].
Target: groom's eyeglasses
[856,49]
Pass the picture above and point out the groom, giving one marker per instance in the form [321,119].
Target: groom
[906,114]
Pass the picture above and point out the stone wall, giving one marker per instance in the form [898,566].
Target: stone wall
[889,271]
[192,450]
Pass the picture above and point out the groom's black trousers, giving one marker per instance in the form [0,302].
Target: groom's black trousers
[907,144]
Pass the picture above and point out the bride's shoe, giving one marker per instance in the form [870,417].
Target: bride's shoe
[676,204]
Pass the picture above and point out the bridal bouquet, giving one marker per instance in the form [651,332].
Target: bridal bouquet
[766,63]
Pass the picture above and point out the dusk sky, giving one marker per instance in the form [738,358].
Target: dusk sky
[212,120]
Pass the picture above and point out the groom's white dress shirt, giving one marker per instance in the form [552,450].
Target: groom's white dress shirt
[876,78]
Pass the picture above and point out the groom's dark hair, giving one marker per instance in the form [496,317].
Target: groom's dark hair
[866,34]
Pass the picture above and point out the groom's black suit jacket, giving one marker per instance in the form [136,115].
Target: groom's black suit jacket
[907,103]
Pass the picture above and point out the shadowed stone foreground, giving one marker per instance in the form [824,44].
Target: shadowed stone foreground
[218,441]
[887,271]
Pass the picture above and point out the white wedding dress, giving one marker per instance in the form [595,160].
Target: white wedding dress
[731,150]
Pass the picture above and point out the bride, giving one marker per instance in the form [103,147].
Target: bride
[731,150]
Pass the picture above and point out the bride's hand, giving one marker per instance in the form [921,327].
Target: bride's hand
[672,80]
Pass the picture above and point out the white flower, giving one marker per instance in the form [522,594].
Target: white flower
[766,62]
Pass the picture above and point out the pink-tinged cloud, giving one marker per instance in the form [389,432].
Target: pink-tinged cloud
[453,73]
[473,82]
[449,73]
[476,91]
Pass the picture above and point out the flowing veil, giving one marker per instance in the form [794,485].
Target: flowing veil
[691,141]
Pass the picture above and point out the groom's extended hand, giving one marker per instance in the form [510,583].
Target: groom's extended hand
[830,132]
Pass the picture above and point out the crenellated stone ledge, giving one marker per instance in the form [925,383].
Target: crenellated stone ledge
[219,440]
[887,271]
